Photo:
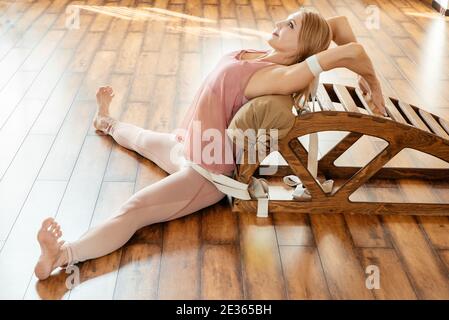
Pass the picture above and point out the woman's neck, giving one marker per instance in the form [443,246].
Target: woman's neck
[277,57]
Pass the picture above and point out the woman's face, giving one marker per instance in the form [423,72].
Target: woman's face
[285,35]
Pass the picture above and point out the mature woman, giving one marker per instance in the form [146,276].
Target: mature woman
[238,77]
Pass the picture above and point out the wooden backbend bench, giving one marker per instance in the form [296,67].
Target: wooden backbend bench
[344,108]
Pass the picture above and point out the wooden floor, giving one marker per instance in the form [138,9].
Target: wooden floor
[155,55]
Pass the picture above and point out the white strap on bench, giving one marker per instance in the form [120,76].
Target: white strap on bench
[312,157]
[239,190]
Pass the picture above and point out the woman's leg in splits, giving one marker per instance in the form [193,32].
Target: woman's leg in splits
[155,146]
[176,195]
[183,192]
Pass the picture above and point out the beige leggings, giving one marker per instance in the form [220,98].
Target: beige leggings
[183,192]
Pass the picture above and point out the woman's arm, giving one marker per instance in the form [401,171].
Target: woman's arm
[341,30]
[351,55]
[342,34]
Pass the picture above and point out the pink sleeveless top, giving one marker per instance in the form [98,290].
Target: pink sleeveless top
[203,129]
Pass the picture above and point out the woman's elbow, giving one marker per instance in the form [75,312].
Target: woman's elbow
[354,51]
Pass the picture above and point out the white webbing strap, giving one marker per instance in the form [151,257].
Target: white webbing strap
[312,157]
[238,189]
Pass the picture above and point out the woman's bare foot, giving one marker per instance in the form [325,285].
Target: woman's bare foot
[104,98]
[52,255]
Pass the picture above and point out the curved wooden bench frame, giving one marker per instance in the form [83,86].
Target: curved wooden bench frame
[406,127]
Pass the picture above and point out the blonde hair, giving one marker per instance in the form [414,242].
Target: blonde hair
[314,36]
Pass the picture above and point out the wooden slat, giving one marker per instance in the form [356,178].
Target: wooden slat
[444,254]
[444,123]
[345,98]
[393,111]
[368,105]
[303,273]
[433,124]
[412,116]
[324,99]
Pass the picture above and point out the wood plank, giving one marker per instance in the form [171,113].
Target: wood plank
[444,254]
[39,56]
[21,24]
[85,52]
[128,54]
[412,116]
[21,251]
[259,9]
[384,64]
[336,249]
[97,75]
[60,161]
[433,124]
[293,229]
[138,276]
[19,178]
[55,110]
[115,34]
[191,40]
[98,277]
[168,62]
[13,93]
[393,111]
[190,80]
[324,99]
[426,272]
[394,282]
[74,36]
[11,63]
[221,272]
[262,270]
[211,45]
[180,265]
[218,224]
[303,273]
[78,204]
[16,129]
[345,98]
[50,75]
[162,105]
[436,228]
[444,124]
[144,77]
[33,35]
